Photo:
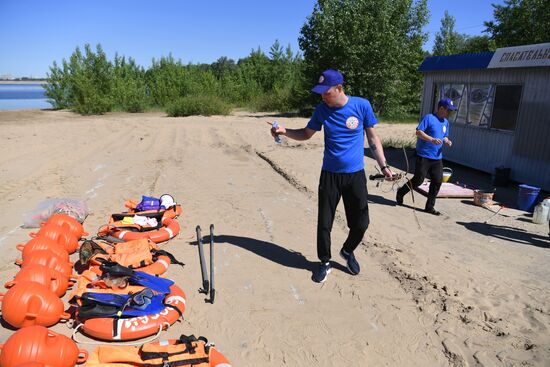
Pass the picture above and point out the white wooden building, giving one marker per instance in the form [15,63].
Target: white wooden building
[503,117]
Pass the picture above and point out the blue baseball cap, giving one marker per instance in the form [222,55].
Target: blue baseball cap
[447,103]
[329,78]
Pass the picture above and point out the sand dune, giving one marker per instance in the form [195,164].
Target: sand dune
[454,292]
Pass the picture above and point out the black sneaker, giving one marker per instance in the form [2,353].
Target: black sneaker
[398,199]
[432,211]
[353,265]
[321,273]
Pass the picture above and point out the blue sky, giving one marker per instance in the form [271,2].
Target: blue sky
[34,33]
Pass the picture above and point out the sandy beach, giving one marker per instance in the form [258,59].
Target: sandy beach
[454,291]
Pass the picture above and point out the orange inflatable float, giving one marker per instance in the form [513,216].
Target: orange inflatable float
[60,234]
[55,281]
[49,259]
[38,346]
[137,327]
[185,351]
[29,303]
[43,243]
[71,223]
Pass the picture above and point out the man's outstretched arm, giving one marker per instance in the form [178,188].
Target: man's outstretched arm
[295,134]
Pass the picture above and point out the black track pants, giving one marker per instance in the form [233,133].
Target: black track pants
[352,187]
[432,168]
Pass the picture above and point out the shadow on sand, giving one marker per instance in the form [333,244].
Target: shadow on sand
[377,199]
[271,251]
[507,233]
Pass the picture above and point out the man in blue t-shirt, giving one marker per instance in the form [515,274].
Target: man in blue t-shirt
[346,119]
[432,132]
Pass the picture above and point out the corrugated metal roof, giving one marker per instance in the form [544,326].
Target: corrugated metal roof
[457,62]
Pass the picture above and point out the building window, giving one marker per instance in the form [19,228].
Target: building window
[458,93]
[482,105]
[505,111]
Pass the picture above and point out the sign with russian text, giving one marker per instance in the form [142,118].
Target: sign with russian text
[521,56]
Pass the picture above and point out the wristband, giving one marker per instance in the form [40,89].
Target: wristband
[384,167]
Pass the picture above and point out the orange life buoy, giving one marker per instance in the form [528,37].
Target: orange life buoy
[104,328]
[158,267]
[169,230]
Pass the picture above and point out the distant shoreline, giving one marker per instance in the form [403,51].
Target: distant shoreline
[23,81]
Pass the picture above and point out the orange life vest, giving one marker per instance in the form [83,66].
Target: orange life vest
[133,254]
[90,279]
[185,351]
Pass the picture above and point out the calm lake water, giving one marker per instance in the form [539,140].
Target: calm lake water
[22,96]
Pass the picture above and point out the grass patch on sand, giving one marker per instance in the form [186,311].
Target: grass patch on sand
[399,143]
[198,105]
[405,119]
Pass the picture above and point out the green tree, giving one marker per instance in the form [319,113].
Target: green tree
[520,22]
[477,44]
[166,80]
[450,42]
[223,67]
[447,41]
[276,51]
[129,89]
[84,84]
[377,44]
[57,89]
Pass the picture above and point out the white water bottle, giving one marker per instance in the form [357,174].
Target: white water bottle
[278,139]
[540,214]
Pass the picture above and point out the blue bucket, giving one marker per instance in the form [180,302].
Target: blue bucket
[527,196]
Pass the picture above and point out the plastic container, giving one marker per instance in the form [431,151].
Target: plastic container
[540,214]
[501,176]
[527,196]
[482,197]
[278,139]
[447,173]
